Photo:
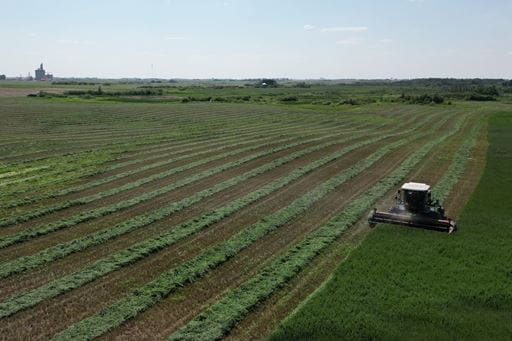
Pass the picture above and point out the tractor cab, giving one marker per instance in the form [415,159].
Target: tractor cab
[416,197]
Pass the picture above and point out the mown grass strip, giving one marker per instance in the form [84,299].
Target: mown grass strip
[445,185]
[146,247]
[263,132]
[61,250]
[242,128]
[75,189]
[58,251]
[186,129]
[37,231]
[87,199]
[57,170]
[21,172]
[89,185]
[149,294]
[86,173]
[144,142]
[219,318]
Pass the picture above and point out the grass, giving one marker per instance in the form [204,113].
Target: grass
[59,251]
[152,245]
[33,232]
[49,148]
[414,284]
[35,213]
[220,317]
[156,153]
[146,296]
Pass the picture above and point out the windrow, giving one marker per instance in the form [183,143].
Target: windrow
[144,248]
[102,211]
[148,295]
[75,189]
[86,173]
[53,169]
[261,130]
[219,318]
[43,257]
[22,172]
[187,129]
[151,142]
[84,200]
[242,127]
[445,185]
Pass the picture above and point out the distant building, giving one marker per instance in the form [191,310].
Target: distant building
[41,74]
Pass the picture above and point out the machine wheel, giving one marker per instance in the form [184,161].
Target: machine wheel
[453,227]
[370,217]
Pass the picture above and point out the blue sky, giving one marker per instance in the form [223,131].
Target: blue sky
[258,38]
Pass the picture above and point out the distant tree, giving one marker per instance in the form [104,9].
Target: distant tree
[267,83]
[289,99]
[2,77]
[490,90]
[480,97]
[100,90]
[422,99]
[301,85]
[437,99]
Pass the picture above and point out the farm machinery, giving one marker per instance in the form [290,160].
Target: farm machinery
[414,207]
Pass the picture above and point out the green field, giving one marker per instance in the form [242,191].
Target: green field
[410,284]
[215,208]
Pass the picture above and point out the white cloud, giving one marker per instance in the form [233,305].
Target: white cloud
[75,42]
[152,54]
[386,41]
[32,35]
[309,27]
[349,41]
[345,29]
[510,53]
[175,38]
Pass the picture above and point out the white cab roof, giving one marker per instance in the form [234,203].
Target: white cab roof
[415,186]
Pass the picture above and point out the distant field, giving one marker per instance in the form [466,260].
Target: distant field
[201,220]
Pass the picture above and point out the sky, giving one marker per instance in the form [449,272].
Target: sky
[302,39]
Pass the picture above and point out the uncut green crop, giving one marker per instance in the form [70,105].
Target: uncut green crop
[462,292]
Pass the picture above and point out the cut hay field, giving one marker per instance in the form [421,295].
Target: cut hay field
[202,220]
